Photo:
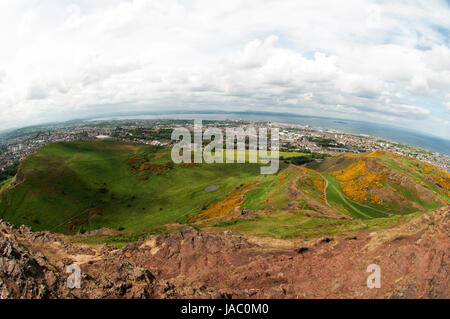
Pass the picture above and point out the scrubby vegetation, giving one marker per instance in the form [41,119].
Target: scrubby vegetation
[225,206]
[379,183]
[304,158]
[8,172]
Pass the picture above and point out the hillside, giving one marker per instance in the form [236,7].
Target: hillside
[136,190]
[77,186]
[380,183]
[140,226]
[413,257]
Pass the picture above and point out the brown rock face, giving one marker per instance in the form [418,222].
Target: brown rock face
[23,275]
[413,258]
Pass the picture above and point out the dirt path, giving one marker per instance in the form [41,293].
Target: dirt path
[325,189]
[292,189]
[373,208]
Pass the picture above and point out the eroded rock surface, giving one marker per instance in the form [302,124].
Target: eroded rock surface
[414,261]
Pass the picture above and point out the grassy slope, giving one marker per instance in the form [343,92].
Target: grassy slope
[4,184]
[341,202]
[271,193]
[420,172]
[66,181]
[284,224]
[407,199]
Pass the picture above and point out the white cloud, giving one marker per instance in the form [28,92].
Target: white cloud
[360,60]
[447,105]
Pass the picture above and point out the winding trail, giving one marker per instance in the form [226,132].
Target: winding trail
[350,202]
[344,198]
[325,189]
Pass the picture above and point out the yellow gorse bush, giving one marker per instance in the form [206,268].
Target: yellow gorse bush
[355,181]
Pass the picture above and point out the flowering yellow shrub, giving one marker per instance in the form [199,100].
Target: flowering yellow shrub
[352,171]
[376,199]
[318,182]
[443,178]
[357,189]
[355,181]
[218,209]
[427,170]
[376,153]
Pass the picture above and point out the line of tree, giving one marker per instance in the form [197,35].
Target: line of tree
[8,172]
[324,142]
[303,159]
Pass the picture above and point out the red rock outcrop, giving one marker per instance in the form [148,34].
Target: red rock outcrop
[413,257]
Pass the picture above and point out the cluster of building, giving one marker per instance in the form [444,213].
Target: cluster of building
[297,137]
[16,146]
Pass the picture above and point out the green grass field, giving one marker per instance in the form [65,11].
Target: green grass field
[66,181]
[253,153]
[271,193]
[137,190]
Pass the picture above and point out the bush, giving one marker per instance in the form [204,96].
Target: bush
[307,158]
[9,172]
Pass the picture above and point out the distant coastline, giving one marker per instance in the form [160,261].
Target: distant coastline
[390,133]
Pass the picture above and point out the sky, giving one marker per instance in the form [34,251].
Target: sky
[379,61]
